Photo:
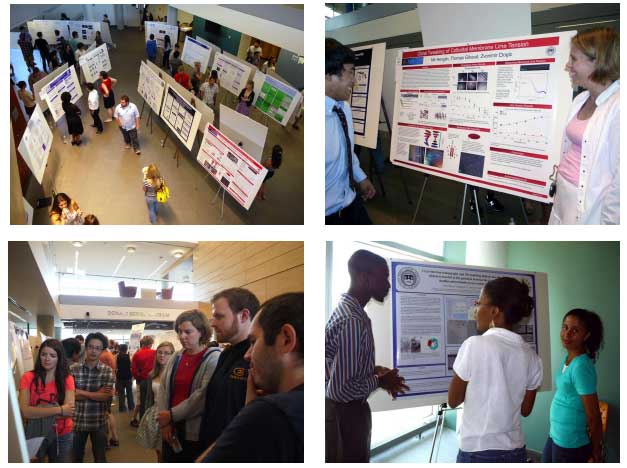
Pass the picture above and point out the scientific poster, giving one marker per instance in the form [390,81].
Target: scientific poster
[87,31]
[195,51]
[366,96]
[39,86]
[182,118]
[433,313]
[150,87]
[232,74]
[47,28]
[160,30]
[236,171]
[137,331]
[35,144]
[66,81]
[490,114]
[95,61]
[277,100]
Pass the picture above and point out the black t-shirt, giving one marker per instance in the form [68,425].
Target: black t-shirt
[42,45]
[124,367]
[226,392]
[270,429]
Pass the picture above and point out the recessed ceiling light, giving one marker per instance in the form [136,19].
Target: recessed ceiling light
[77,244]
[177,254]
[131,249]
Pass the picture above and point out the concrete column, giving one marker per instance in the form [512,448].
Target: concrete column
[57,332]
[488,254]
[118,12]
[173,14]
[88,12]
[45,324]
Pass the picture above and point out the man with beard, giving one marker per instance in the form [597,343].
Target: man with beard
[270,427]
[350,371]
[233,312]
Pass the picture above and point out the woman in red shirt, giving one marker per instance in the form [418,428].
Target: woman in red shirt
[106,89]
[48,392]
[182,78]
[181,397]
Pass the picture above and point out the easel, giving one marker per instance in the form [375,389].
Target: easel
[215,198]
[437,435]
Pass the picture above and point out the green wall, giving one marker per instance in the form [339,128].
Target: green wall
[585,275]
[227,39]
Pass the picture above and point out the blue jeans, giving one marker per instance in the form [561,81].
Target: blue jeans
[555,454]
[98,445]
[493,456]
[153,208]
[64,447]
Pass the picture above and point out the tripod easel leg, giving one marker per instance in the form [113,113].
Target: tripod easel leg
[419,201]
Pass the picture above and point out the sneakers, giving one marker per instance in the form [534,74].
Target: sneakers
[114,443]
[138,152]
[108,120]
[127,146]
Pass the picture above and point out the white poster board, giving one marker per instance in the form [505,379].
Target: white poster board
[170,336]
[275,98]
[366,96]
[236,171]
[46,28]
[160,30]
[195,51]
[66,81]
[137,331]
[182,118]
[95,61]
[87,30]
[39,85]
[249,134]
[35,144]
[214,48]
[489,113]
[233,73]
[150,87]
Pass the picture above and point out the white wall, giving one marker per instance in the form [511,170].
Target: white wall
[389,26]
[23,13]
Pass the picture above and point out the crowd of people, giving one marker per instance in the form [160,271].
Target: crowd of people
[201,403]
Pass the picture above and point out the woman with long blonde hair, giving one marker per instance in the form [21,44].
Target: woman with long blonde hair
[151,185]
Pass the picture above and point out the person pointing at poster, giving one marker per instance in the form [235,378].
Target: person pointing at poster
[350,371]
[496,376]
[344,178]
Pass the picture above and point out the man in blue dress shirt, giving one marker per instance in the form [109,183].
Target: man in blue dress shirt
[345,182]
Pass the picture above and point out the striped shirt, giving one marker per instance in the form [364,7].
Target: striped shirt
[90,415]
[349,353]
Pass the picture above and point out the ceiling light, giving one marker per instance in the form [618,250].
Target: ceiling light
[177,254]
[131,249]
[77,244]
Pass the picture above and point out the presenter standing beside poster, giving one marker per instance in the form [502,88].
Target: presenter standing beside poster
[588,179]
[344,179]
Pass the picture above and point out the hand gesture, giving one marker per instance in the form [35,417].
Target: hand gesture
[252,391]
[366,189]
[392,383]
[166,433]
[68,409]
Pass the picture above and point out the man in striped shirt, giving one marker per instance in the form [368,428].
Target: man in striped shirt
[350,371]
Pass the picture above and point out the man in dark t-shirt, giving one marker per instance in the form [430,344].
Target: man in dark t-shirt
[270,427]
[233,312]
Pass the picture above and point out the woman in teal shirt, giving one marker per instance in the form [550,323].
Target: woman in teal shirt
[575,406]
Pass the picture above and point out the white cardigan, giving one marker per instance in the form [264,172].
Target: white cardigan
[598,193]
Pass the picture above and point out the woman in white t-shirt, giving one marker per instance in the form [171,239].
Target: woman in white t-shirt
[496,376]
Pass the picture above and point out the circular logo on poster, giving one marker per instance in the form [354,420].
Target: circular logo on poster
[550,51]
[408,277]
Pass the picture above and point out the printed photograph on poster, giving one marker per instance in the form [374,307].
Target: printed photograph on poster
[150,87]
[487,113]
[237,172]
[277,100]
[67,81]
[182,118]
[195,51]
[95,61]
[35,144]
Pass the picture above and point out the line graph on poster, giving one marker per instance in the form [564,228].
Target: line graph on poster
[533,84]
[468,109]
[528,128]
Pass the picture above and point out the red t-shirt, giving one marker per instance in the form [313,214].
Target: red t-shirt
[182,78]
[106,82]
[142,363]
[184,376]
[47,395]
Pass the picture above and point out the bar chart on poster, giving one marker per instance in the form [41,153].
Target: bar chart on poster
[486,113]
[276,99]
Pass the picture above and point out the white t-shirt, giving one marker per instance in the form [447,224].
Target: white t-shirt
[499,368]
[93,100]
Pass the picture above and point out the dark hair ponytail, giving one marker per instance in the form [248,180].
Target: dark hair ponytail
[593,325]
[511,296]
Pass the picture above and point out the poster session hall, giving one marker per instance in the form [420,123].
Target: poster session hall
[157,114]
[494,113]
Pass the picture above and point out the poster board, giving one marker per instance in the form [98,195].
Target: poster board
[160,30]
[488,113]
[39,85]
[214,48]
[95,61]
[66,81]
[137,331]
[233,73]
[47,27]
[35,144]
[150,87]
[206,113]
[196,51]
[182,118]
[170,336]
[365,99]
[249,134]
[87,30]
[239,174]
[275,98]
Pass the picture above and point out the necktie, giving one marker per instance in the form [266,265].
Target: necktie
[349,151]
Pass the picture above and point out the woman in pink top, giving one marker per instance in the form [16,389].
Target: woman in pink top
[588,180]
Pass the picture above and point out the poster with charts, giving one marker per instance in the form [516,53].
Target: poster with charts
[182,118]
[87,30]
[195,51]
[366,96]
[232,73]
[95,61]
[137,331]
[277,99]
[433,314]
[35,144]
[160,30]
[489,114]
[65,82]
[150,87]
[235,170]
